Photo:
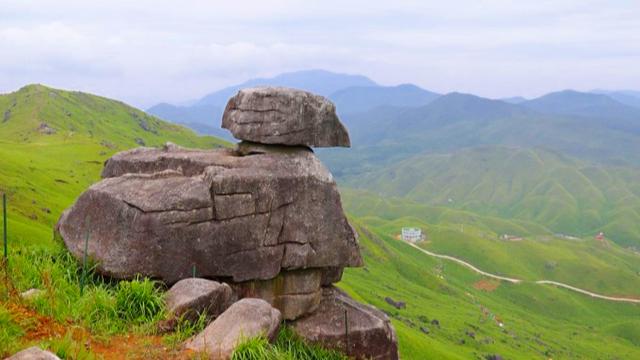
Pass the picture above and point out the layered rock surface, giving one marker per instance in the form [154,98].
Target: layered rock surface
[275,115]
[160,212]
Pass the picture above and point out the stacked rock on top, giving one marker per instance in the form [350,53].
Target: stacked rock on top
[266,217]
[283,116]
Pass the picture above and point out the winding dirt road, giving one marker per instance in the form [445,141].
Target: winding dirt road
[517,281]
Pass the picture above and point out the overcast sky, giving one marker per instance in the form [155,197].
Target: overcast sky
[146,51]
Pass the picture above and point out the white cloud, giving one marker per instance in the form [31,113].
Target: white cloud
[145,51]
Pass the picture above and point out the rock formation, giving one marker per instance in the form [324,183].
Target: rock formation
[265,217]
[273,115]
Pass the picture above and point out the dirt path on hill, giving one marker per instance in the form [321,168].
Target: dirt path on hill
[517,281]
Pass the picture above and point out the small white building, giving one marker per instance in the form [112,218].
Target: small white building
[411,234]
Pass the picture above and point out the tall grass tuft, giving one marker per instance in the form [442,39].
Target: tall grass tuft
[139,301]
[287,346]
[10,331]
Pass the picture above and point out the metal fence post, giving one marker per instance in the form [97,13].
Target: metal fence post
[4,226]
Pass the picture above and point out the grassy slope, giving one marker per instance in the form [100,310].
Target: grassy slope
[44,173]
[587,263]
[539,322]
[563,194]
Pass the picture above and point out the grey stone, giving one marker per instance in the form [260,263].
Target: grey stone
[33,353]
[244,320]
[160,212]
[370,333]
[193,296]
[276,115]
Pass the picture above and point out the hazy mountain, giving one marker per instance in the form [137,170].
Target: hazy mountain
[454,121]
[570,102]
[320,82]
[627,97]
[514,100]
[208,109]
[358,99]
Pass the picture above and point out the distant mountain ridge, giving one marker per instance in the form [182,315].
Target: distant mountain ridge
[208,109]
[627,97]
[363,98]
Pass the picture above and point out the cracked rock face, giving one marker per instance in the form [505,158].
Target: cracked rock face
[163,212]
[283,116]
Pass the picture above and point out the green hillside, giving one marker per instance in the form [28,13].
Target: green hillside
[539,322]
[601,267]
[53,144]
[560,193]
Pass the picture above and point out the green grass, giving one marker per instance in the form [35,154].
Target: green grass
[139,301]
[10,331]
[287,346]
[104,307]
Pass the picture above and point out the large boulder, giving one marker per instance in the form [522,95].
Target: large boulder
[160,212]
[244,320]
[276,115]
[33,353]
[193,296]
[367,331]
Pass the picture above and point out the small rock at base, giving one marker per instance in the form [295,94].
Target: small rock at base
[192,296]
[244,320]
[33,353]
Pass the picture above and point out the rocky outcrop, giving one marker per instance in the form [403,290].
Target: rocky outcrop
[343,324]
[244,320]
[265,218]
[160,212]
[193,296]
[274,115]
[33,353]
